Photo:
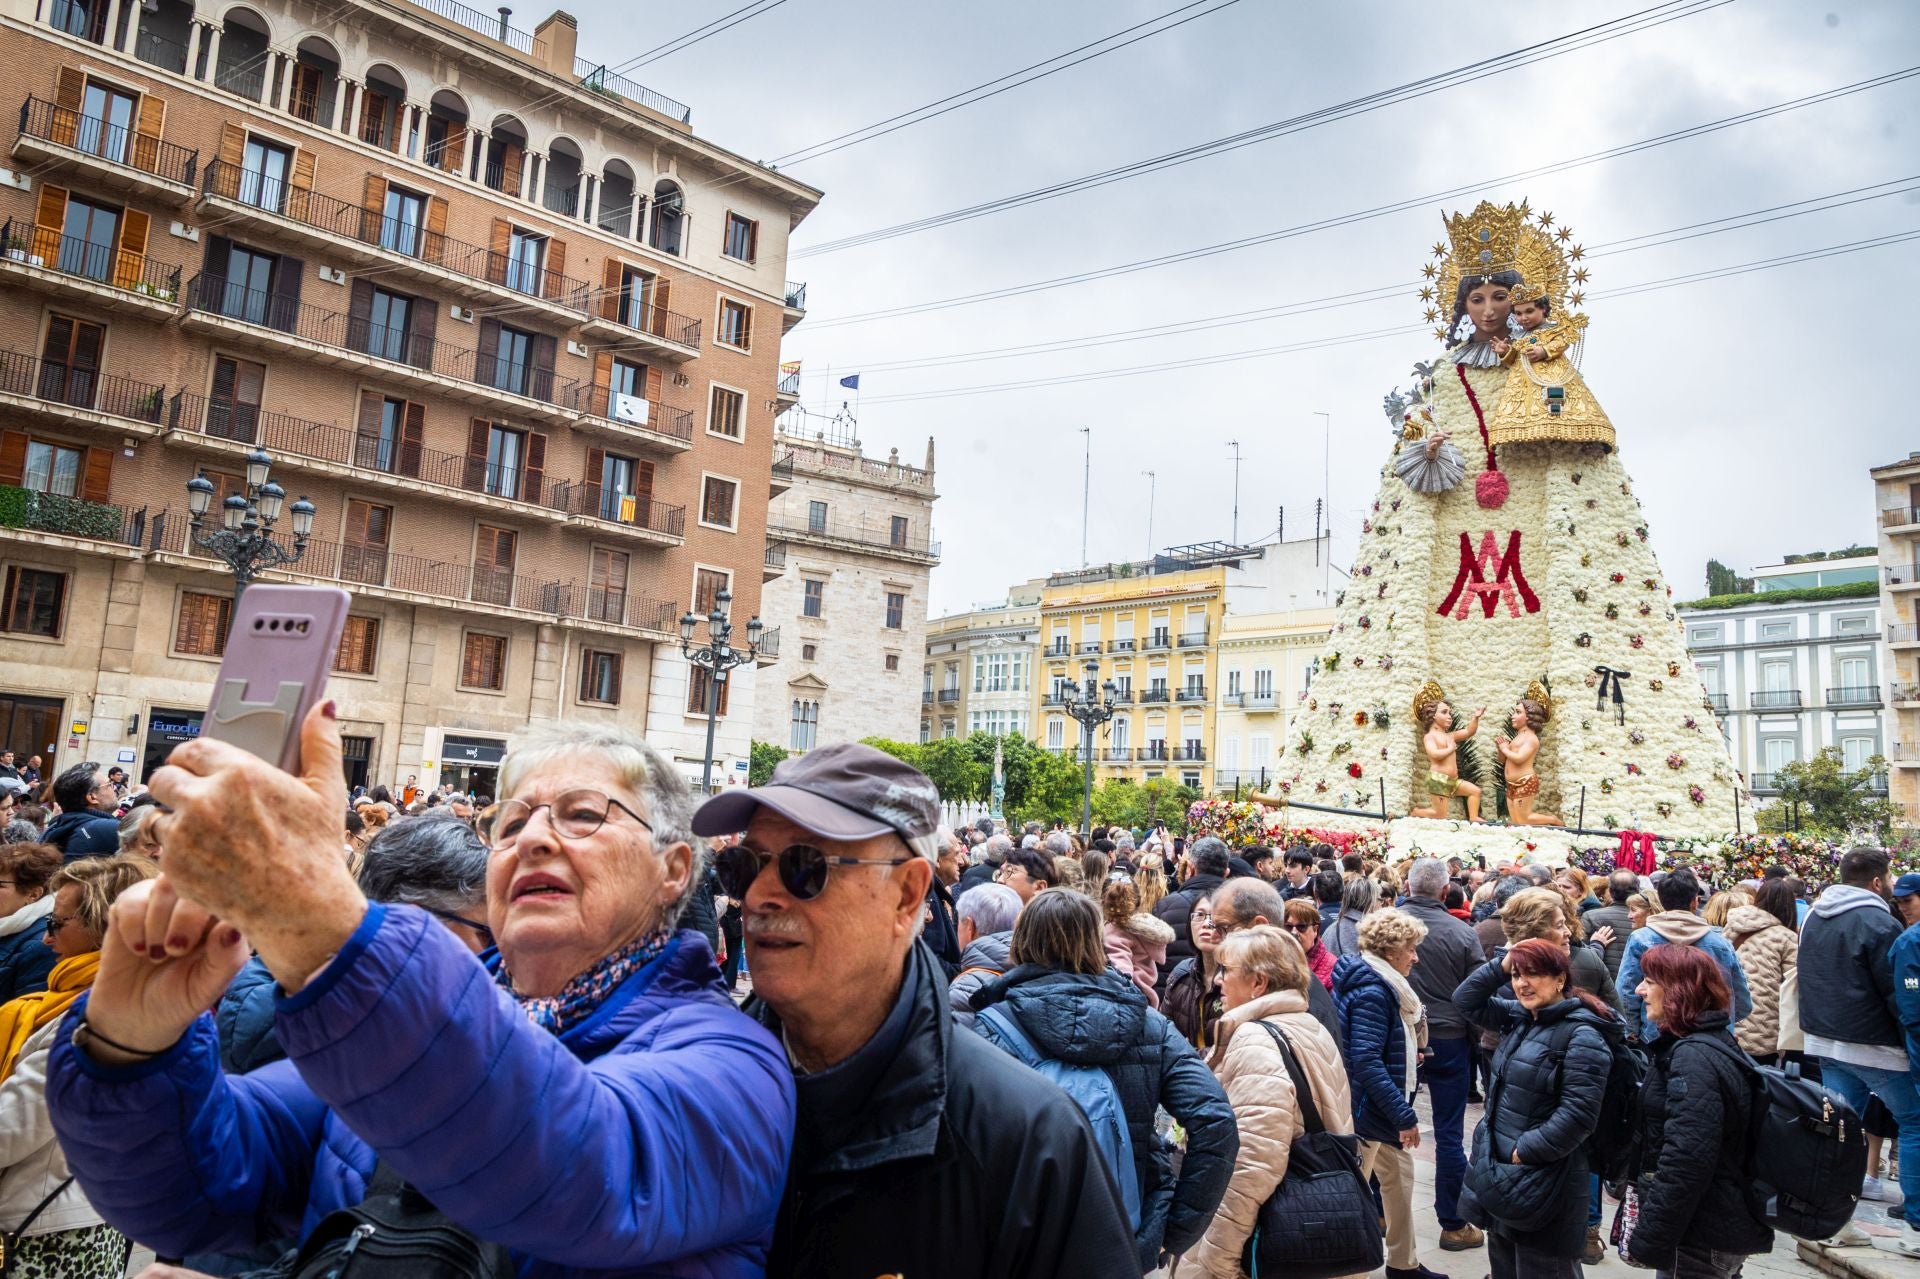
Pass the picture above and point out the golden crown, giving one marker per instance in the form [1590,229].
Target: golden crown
[1537,693]
[1507,237]
[1424,702]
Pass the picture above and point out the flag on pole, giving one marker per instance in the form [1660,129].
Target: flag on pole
[789,366]
[852,383]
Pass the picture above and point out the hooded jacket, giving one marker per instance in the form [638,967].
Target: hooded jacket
[1136,948]
[985,958]
[1104,1021]
[1268,1113]
[25,957]
[1768,950]
[1694,1113]
[1375,1050]
[935,1124]
[1846,973]
[1687,929]
[405,1048]
[84,833]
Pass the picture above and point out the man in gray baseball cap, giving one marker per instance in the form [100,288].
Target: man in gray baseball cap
[902,1118]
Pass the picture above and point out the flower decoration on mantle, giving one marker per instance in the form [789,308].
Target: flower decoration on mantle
[1656,684]
[1664,808]
[1354,769]
[1612,611]
[1676,761]
[1638,641]
[1695,794]
[1359,717]
[1621,539]
[1616,578]
[1634,770]
[1673,670]
[1579,595]
[1583,640]
[1637,738]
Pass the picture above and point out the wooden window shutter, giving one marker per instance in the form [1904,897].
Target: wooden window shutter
[511,160]
[413,432]
[423,321]
[602,380]
[13,457]
[643,482]
[545,347]
[233,157]
[99,478]
[662,303]
[453,157]
[487,352]
[655,386]
[49,222]
[556,268]
[478,433]
[596,467]
[367,426]
[68,95]
[434,248]
[214,259]
[131,261]
[473,661]
[495,549]
[373,206]
[300,183]
[147,130]
[284,311]
[360,314]
[534,474]
[497,249]
[610,280]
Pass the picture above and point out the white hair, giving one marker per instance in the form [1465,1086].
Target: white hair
[1427,877]
[1029,841]
[991,907]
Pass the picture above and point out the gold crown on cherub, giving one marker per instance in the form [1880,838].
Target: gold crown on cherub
[1538,695]
[1426,701]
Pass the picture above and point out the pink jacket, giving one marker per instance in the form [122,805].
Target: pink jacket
[1136,948]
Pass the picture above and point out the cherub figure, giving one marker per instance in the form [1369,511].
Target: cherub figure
[1517,753]
[1441,740]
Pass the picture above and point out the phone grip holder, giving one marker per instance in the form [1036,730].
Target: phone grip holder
[257,727]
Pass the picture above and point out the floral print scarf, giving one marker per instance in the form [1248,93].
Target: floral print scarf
[581,997]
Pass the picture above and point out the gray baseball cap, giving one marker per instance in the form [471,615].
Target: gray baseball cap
[843,792]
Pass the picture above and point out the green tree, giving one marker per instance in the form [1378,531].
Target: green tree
[762,759]
[1722,580]
[1829,798]
[1051,788]
[953,770]
[1137,805]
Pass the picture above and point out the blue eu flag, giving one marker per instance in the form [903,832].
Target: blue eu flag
[851,383]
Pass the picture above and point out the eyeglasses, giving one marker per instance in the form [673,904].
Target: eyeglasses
[575,814]
[1224,926]
[803,868]
[56,922]
[485,933]
[1301,928]
[1199,917]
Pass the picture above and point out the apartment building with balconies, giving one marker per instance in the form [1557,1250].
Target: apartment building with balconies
[850,549]
[1267,662]
[1794,666]
[981,667]
[1897,503]
[502,316]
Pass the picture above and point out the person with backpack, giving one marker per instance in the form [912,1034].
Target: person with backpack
[1694,1219]
[1265,979]
[1061,1011]
[1527,1177]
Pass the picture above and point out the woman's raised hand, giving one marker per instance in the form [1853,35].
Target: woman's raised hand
[163,962]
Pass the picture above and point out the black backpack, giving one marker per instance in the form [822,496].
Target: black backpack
[394,1233]
[1320,1221]
[1806,1151]
[1614,1147]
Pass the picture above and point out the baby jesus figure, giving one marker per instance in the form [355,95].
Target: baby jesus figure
[1544,398]
[1441,741]
[1518,752]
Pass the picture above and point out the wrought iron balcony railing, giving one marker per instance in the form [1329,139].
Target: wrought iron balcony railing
[81,388]
[116,144]
[599,401]
[105,264]
[593,501]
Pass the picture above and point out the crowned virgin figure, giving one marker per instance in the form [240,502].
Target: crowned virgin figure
[1504,561]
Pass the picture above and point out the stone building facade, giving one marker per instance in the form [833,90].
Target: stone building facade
[981,666]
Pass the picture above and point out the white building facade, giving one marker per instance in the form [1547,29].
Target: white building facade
[1266,662]
[980,668]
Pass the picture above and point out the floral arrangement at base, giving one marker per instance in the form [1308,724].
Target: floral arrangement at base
[1727,861]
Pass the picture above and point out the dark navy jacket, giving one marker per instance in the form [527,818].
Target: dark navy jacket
[1375,1049]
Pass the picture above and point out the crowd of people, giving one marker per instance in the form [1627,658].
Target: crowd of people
[262,1026]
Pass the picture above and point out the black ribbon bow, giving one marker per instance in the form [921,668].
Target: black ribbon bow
[1615,682]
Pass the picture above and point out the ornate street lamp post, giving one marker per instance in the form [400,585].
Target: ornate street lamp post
[244,541]
[1086,706]
[717,656]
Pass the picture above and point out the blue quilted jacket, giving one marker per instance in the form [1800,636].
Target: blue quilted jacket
[1376,1050]
[650,1139]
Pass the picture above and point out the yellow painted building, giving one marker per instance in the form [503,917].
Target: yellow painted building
[1266,663]
[1153,629]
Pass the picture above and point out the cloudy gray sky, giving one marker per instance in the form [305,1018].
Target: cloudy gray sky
[1749,408]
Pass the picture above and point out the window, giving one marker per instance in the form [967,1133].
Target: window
[513,361]
[807,652]
[805,726]
[893,661]
[697,687]
[1260,752]
[1704,635]
[629,380]
[404,215]
[388,323]
[233,410]
[1776,677]
[626,486]
[1233,683]
[263,175]
[70,361]
[1855,674]
[813,597]
[637,300]
[359,646]
[33,602]
[736,323]
[201,630]
[87,239]
[1855,752]
[1778,752]
[106,122]
[494,552]
[1121,732]
[1855,625]
[249,286]
[506,459]
[1263,683]
[379,449]
[54,468]
[896,611]
[607,586]
[483,663]
[897,533]
[1776,630]
[726,413]
[717,501]
[1056,733]
[743,236]
[816,517]
[368,534]
[600,677]
[707,585]
[526,260]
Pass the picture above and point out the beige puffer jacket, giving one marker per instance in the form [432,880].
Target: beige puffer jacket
[1261,1093]
[1768,951]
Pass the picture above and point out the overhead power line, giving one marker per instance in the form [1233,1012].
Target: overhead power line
[1003,84]
[684,41]
[1645,19]
[1378,211]
[1231,357]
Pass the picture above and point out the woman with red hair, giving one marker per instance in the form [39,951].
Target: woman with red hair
[1527,1177]
[1694,1222]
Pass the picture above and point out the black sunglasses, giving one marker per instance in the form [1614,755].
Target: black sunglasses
[803,868]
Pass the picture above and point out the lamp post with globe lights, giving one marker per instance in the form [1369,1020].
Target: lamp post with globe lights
[244,540]
[1086,705]
[717,656]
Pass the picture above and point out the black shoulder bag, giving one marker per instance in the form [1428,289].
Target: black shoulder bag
[10,1241]
[1320,1221]
[394,1233]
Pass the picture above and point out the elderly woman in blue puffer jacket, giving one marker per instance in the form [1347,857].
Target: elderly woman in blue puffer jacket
[1061,1001]
[558,1106]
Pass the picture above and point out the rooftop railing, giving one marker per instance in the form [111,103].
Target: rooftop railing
[863,533]
[488,25]
[595,77]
